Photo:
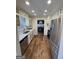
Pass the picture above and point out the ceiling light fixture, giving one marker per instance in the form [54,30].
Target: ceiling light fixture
[27,3]
[33,11]
[45,10]
[49,1]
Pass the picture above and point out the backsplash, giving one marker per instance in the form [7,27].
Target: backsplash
[20,29]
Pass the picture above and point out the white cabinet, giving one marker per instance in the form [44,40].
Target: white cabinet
[30,36]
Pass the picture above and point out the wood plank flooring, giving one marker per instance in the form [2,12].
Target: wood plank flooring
[39,48]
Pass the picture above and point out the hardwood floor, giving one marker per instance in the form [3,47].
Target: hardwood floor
[39,48]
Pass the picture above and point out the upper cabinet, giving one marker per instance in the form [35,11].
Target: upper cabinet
[22,18]
[22,22]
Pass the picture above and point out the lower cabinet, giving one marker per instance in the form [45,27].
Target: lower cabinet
[30,36]
[24,44]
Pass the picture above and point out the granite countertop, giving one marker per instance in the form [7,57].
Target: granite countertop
[22,35]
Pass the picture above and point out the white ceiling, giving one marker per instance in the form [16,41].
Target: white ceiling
[39,6]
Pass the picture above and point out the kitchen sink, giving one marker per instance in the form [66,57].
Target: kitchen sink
[25,32]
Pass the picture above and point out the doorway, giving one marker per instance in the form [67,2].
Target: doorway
[40,27]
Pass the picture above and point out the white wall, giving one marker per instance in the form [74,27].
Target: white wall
[34,25]
[47,27]
[57,14]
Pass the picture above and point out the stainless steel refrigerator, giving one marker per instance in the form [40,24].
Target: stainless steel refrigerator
[55,32]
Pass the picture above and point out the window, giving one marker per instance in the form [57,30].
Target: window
[23,22]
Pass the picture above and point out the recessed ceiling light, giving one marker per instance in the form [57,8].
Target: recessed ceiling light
[33,11]
[49,1]
[45,10]
[27,3]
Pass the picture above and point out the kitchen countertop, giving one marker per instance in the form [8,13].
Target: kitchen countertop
[22,35]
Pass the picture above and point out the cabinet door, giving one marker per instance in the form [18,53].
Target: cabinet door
[24,45]
[22,22]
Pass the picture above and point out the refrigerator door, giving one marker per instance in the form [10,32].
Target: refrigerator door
[54,37]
